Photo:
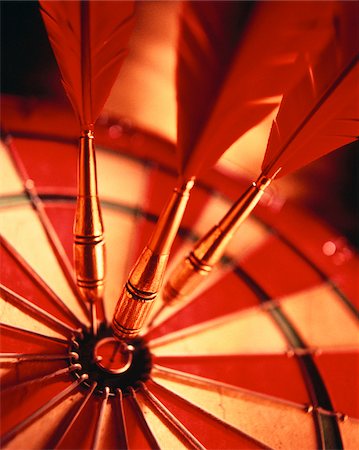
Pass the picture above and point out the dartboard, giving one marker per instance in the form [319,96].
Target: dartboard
[265,354]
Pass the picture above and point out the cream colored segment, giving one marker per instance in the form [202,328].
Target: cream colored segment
[163,433]
[275,424]
[215,208]
[250,236]
[119,234]
[121,179]
[250,331]
[322,318]
[22,228]
[40,433]
[10,182]
[349,430]
[10,315]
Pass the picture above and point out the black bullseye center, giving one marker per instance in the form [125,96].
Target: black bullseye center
[109,362]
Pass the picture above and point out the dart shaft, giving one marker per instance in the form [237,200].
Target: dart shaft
[190,273]
[89,244]
[146,277]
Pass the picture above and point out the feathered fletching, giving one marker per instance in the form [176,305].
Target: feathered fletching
[234,58]
[89,40]
[320,113]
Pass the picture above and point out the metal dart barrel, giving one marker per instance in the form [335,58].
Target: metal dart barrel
[89,243]
[146,277]
[190,273]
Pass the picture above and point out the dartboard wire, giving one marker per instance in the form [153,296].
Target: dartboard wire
[176,425]
[255,284]
[53,239]
[142,420]
[334,286]
[40,282]
[208,414]
[327,426]
[121,420]
[34,333]
[79,408]
[20,302]
[100,420]
[209,382]
[292,350]
[41,379]
[16,358]
[41,411]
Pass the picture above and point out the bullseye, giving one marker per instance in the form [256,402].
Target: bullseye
[113,356]
[110,363]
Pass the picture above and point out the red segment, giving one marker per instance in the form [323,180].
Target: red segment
[280,271]
[58,120]
[62,216]
[82,433]
[18,279]
[28,370]
[112,434]
[136,434]
[15,341]
[346,278]
[321,245]
[211,433]
[340,374]
[40,157]
[275,375]
[34,116]
[22,402]
[230,294]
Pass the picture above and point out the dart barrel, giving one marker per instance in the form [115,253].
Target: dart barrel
[145,280]
[208,251]
[138,295]
[89,243]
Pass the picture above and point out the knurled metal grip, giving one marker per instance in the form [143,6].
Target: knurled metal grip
[89,243]
[138,295]
[185,278]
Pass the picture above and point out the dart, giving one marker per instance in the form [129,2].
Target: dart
[317,115]
[220,96]
[265,353]
[89,56]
